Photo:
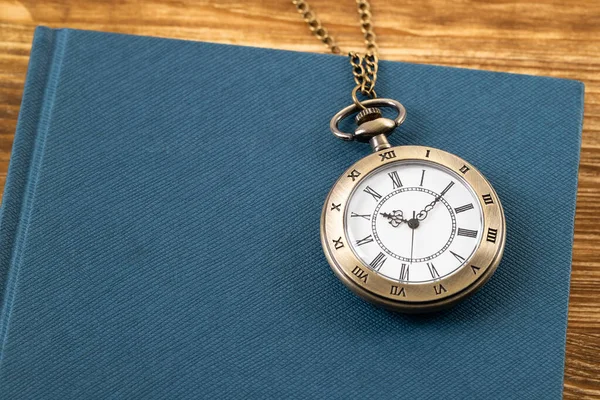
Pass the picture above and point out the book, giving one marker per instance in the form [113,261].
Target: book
[160,228]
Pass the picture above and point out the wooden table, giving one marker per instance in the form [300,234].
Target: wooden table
[544,37]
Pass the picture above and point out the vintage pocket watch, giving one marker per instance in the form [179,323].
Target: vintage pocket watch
[411,228]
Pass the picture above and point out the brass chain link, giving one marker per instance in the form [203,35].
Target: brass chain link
[364,66]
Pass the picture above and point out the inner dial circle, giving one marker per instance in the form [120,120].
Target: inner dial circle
[413,221]
[439,235]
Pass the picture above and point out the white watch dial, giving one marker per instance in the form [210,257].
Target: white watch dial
[414,221]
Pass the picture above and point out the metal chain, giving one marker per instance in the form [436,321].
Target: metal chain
[364,66]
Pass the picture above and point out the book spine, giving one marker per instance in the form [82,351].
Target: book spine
[43,74]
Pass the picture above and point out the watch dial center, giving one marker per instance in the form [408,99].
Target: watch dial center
[413,223]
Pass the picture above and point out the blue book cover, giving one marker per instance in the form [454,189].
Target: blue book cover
[160,228]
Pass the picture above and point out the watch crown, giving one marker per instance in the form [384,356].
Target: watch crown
[368,114]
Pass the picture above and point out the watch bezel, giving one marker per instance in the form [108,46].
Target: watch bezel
[411,297]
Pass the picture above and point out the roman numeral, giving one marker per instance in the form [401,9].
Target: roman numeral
[458,257]
[395,179]
[447,188]
[467,233]
[373,193]
[464,208]
[365,216]
[491,235]
[366,240]
[439,289]
[354,174]
[487,199]
[378,261]
[388,155]
[360,274]
[475,269]
[397,291]
[422,177]
[433,271]
[464,169]
[338,243]
[335,207]
[404,272]
[427,154]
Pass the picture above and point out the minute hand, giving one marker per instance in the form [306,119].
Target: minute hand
[423,213]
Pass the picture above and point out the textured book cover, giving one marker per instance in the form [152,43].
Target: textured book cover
[160,228]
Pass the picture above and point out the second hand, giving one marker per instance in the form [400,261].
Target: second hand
[412,242]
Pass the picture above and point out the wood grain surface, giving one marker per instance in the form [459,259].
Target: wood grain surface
[556,38]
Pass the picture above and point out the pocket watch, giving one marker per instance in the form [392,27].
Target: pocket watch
[411,228]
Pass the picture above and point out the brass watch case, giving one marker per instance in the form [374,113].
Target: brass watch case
[398,295]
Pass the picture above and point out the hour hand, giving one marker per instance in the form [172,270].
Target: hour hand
[395,218]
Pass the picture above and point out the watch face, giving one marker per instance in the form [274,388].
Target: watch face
[413,221]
